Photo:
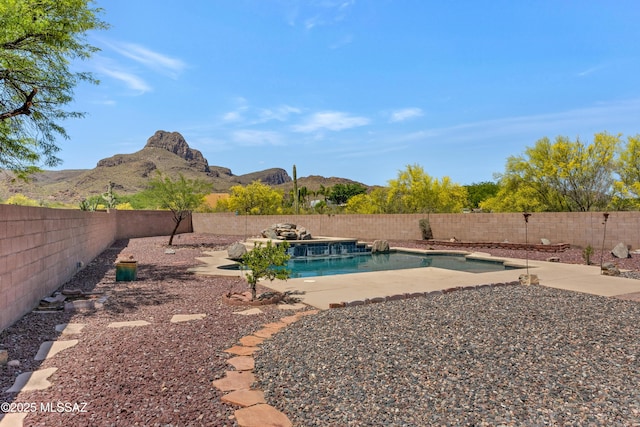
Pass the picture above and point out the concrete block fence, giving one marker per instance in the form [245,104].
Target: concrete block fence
[576,228]
[41,248]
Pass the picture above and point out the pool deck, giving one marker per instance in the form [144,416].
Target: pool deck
[321,291]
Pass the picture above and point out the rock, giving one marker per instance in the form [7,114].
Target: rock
[236,251]
[529,279]
[175,143]
[545,241]
[553,259]
[13,363]
[286,231]
[380,246]
[270,233]
[610,269]
[4,357]
[169,251]
[620,251]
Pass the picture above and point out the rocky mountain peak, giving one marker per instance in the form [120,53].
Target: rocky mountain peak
[175,143]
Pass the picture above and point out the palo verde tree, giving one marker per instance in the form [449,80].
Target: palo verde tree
[558,176]
[181,196]
[254,199]
[414,191]
[39,39]
[628,187]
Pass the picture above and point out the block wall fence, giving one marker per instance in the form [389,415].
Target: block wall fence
[40,248]
[577,228]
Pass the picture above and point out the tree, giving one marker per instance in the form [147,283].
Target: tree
[266,262]
[479,192]
[38,41]
[628,187]
[181,196]
[414,191]
[374,202]
[340,193]
[254,199]
[561,176]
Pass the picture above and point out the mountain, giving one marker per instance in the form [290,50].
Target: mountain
[167,152]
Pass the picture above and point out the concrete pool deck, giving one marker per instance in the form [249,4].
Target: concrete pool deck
[321,291]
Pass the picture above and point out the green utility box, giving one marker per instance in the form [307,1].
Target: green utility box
[126,271]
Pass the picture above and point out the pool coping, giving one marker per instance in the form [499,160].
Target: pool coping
[323,291]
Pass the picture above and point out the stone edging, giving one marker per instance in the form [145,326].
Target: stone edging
[556,247]
[418,294]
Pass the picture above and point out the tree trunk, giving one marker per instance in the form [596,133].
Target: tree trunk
[173,233]
[253,292]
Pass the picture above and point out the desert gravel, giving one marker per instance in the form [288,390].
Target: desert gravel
[507,356]
[502,356]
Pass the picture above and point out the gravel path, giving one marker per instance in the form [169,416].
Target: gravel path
[507,356]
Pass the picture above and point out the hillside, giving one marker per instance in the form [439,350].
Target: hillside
[167,152]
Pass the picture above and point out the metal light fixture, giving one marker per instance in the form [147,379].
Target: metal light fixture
[604,235]
[526,216]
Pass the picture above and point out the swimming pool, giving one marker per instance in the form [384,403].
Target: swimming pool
[364,263]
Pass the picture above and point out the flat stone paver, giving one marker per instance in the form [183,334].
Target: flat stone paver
[290,319]
[28,381]
[241,350]
[242,363]
[249,312]
[177,318]
[266,332]
[132,323]
[235,380]
[244,397]
[296,306]
[48,349]
[70,328]
[251,341]
[275,325]
[261,415]
[13,420]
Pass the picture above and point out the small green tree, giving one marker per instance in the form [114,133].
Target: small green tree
[266,262]
[181,196]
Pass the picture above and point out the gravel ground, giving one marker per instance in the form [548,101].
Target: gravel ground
[510,355]
[155,375]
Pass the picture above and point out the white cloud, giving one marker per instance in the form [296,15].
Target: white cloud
[250,137]
[405,114]
[131,80]
[232,116]
[280,113]
[330,120]
[156,61]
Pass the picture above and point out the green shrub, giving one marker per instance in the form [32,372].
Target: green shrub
[586,254]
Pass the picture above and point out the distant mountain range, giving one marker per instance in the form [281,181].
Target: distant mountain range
[167,152]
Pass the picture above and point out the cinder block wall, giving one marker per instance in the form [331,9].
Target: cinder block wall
[148,223]
[577,228]
[42,248]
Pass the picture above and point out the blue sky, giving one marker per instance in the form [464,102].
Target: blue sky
[354,88]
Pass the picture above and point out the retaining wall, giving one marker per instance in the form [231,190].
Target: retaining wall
[576,228]
[41,248]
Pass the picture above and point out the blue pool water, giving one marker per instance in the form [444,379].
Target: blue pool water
[364,263]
